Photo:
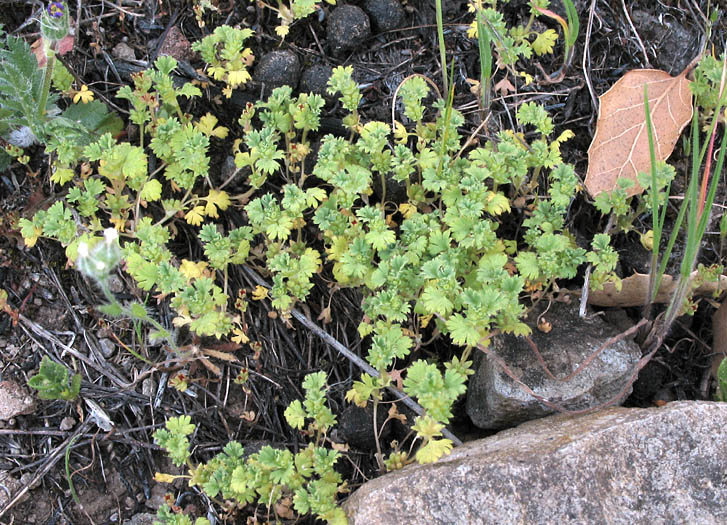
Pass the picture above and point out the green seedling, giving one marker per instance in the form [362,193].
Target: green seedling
[52,382]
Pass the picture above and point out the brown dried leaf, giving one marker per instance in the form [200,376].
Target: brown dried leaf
[634,290]
[620,147]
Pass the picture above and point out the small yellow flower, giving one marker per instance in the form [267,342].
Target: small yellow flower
[85,95]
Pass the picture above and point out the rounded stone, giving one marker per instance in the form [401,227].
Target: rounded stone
[315,79]
[348,28]
[278,68]
[385,15]
[356,427]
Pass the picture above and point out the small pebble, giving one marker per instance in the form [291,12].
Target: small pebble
[26,478]
[348,28]
[67,423]
[176,45]
[148,387]
[123,51]
[107,347]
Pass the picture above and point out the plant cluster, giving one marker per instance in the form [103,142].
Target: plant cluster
[51,381]
[522,41]
[28,108]
[306,481]
[435,258]
[481,230]
[291,11]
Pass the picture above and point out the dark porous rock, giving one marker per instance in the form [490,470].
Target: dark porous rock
[495,400]
[674,43]
[278,68]
[315,79]
[385,15]
[356,426]
[348,28]
[619,466]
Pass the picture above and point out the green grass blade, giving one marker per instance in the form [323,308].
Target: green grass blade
[573,23]
[442,48]
[484,42]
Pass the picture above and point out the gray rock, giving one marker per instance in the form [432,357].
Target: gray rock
[144,518]
[617,466]
[116,285]
[496,401]
[278,68]
[315,79]
[14,400]
[123,51]
[385,15]
[348,28]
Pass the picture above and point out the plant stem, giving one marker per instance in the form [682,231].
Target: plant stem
[45,88]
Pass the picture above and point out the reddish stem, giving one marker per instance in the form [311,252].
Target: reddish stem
[705,177]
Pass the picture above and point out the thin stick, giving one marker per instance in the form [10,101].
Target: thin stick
[587,55]
[638,38]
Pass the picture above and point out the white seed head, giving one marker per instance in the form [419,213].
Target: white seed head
[100,266]
[110,234]
[82,249]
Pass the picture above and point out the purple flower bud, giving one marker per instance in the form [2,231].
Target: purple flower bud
[55,9]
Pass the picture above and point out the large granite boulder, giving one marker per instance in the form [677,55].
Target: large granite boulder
[496,401]
[617,466]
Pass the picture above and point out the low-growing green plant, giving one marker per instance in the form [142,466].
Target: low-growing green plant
[28,107]
[721,394]
[434,258]
[121,189]
[226,56]
[52,381]
[570,31]
[272,475]
[519,42]
[291,11]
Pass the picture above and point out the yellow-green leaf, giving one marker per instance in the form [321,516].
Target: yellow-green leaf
[545,41]
[62,175]
[195,216]
[207,126]
[151,191]
[432,451]
[216,199]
